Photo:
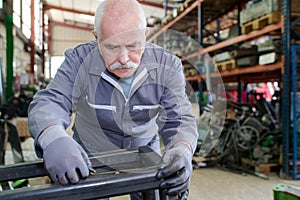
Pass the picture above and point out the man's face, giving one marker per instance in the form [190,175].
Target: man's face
[122,51]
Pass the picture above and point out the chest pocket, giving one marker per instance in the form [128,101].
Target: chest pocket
[141,114]
[105,114]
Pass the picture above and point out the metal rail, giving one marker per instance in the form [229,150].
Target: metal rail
[138,174]
[98,186]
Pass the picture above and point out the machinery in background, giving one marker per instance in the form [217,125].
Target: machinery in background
[9,133]
[250,132]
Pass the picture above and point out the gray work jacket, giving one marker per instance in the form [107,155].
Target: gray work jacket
[105,118]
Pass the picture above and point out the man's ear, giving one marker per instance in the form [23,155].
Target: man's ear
[95,34]
[146,30]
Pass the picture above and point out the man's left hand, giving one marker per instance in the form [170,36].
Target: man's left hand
[175,169]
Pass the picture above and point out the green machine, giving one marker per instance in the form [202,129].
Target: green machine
[286,192]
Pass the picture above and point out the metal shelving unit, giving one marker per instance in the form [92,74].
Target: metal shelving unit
[290,112]
[295,54]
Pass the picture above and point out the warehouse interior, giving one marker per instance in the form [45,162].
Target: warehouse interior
[240,59]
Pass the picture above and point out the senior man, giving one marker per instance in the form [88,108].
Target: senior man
[125,92]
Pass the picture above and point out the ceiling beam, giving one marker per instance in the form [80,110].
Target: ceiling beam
[48,7]
[73,25]
[156,5]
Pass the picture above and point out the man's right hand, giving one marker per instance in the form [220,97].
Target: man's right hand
[65,160]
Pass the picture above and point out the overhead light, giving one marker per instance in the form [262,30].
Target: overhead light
[87,17]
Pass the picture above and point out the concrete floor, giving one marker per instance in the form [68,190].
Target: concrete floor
[209,183]
[216,184]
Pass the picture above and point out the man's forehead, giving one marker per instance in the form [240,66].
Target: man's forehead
[126,37]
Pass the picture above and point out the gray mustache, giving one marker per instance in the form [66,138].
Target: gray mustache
[118,65]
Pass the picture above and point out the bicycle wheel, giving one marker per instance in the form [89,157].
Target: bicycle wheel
[247,137]
[224,146]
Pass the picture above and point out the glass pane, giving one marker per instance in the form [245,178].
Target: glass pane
[26,19]
[17,7]
[16,20]
[26,31]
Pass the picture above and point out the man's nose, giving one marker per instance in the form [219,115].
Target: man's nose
[124,57]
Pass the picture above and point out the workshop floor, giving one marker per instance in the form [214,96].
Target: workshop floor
[208,183]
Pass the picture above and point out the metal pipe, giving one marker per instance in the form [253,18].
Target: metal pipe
[9,56]
[166,7]
[285,100]
[32,38]
[200,38]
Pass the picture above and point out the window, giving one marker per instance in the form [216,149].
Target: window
[38,23]
[26,18]
[17,13]
[56,61]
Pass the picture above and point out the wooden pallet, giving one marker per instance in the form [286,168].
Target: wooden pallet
[226,65]
[261,168]
[180,8]
[261,22]
[22,126]
[187,3]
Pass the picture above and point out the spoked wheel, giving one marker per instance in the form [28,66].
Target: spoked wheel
[247,137]
[223,146]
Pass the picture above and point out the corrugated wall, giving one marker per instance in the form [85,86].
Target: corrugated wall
[64,38]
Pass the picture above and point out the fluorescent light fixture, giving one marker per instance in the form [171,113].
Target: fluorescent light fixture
[87,17]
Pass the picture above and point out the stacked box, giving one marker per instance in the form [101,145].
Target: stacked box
[222,56]
[265,7]
[245,56]
[259,9]
[242,52]
[268,58]
[270,45]
[247,61]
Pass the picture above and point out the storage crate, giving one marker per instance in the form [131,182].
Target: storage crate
[268,58]
[222,56]
[265,7]
[270,45]
[242,52]
[247,61]
[259,9]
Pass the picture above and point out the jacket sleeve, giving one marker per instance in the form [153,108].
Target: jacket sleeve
[176,122]
[53,105]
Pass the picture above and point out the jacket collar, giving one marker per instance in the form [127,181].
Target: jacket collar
[97,63]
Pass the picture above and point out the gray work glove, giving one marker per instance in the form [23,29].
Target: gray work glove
[65,160]
[175,170]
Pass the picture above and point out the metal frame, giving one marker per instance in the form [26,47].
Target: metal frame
[93,187]
[112,177]
[296,113]
[286,89]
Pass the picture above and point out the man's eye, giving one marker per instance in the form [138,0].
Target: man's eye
[110,47]
[132,47]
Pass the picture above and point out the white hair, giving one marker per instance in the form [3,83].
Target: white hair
[101,9]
